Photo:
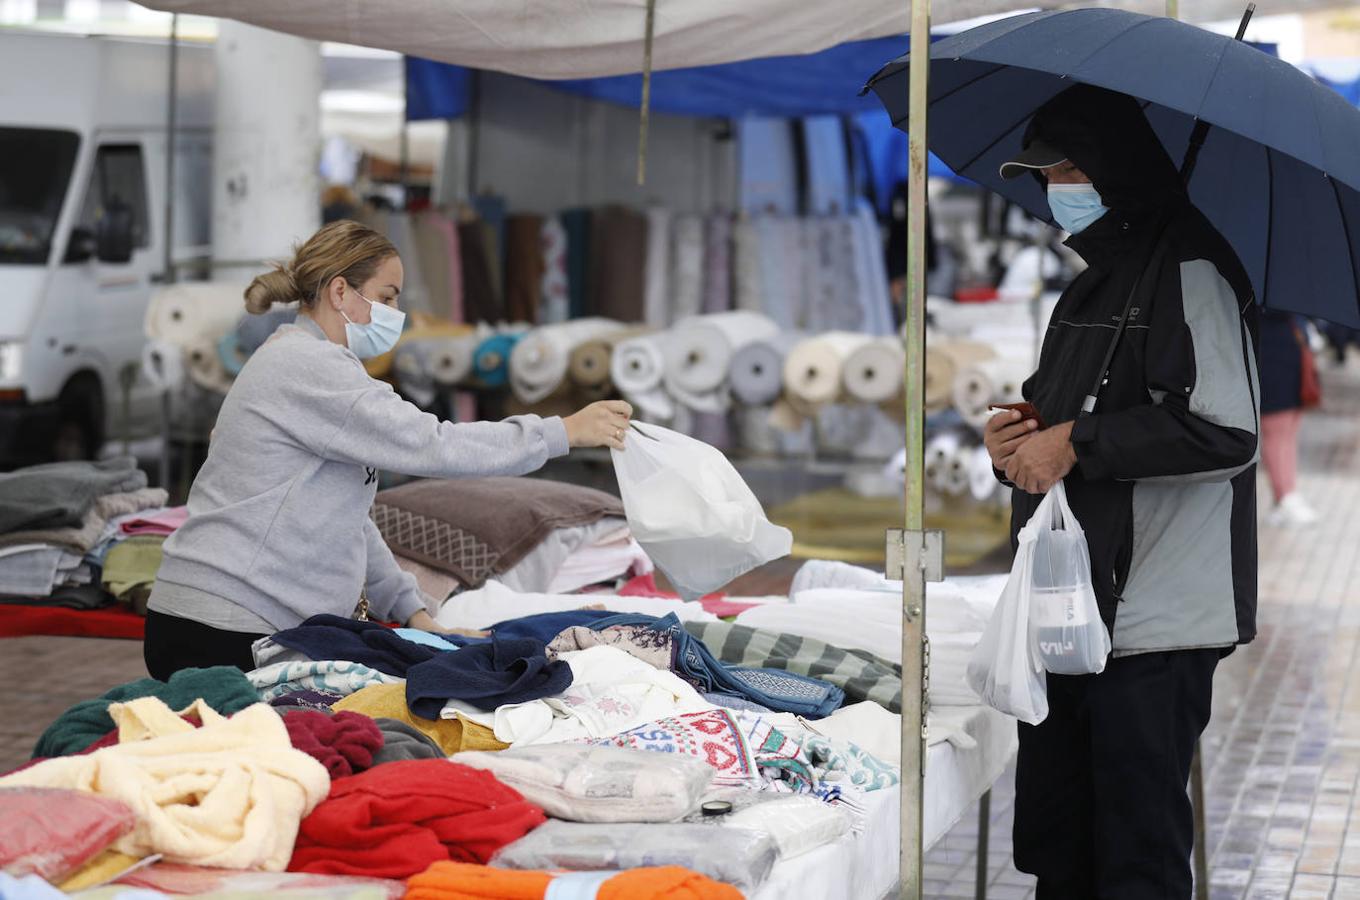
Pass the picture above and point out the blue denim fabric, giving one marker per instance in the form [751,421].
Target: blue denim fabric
[772,688]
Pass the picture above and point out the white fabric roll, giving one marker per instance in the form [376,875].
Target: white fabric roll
[687,266]
[205,366]
[982,483]
[412,368]
[451,358]
[757,373]
[958,472]
[813,369]
[938,451]
[538,364]
[699,350]
[181,313]
[873,373]
[163,365]
[637,368]
[981,384]
[656,310]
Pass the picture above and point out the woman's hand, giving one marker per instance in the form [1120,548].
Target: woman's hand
[600,424]
[423,622]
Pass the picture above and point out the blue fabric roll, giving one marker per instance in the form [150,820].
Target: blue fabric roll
[491,362]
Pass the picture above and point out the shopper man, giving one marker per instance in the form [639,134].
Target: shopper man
[1161,476]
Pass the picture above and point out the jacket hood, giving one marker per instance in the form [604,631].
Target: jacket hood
[1105,134]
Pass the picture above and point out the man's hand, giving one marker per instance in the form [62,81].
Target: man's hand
[1042,460]
[1004,434]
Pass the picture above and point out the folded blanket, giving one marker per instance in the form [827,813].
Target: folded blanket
[58,495]
[224,688]
[229,794]
[395,820]
[83,536]
[388,701]
[327,637]
[337,677]
[344,742]
[486,675]
[462,881]
[475,528]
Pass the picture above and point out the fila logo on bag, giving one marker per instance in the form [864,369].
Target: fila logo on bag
[1057,648]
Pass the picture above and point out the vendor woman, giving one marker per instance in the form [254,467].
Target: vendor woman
[279,526]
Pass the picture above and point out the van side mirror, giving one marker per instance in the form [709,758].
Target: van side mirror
[113,233]
[81,246]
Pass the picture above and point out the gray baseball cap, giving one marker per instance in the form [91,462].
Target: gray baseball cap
[1038,155]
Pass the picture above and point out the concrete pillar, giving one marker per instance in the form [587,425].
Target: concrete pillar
[268,142]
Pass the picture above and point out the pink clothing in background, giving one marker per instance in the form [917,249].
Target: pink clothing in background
[1280,450]
[163,522]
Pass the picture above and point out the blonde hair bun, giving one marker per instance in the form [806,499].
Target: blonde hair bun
[277,286]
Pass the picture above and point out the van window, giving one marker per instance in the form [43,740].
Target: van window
[35,170]
[119,178]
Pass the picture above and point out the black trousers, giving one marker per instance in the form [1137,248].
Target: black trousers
[173,643]
[1101,807]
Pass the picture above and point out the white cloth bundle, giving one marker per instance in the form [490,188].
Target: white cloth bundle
[698,354]
[757,373]
[957,472]
[205,365]
[656,290]
[813,370]
[981,384]
[873,372]
[944,358]
[181,313]
[163,365]
[939,450]
[493,602]
[982,483]
[637,369]
[538,364]
[687,266]
[450,358]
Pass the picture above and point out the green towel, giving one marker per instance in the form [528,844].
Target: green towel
[130,569]
[224,688]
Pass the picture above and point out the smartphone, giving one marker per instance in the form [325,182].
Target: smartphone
[1027,411]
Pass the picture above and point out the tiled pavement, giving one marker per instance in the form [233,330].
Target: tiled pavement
[1282,754]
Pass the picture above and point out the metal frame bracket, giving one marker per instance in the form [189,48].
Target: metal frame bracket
[910,552]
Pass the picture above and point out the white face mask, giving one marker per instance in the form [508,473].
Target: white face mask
[380,333]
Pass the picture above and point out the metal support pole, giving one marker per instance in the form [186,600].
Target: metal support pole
[984,839]
[914,577]
[1201,838]
[171,123]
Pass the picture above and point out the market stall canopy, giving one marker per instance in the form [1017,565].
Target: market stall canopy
[574,39]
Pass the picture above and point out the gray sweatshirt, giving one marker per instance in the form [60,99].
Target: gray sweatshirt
[279,526]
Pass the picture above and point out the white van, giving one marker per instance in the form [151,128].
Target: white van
[83,140]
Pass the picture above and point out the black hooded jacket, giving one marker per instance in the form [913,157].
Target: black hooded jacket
[1164,485]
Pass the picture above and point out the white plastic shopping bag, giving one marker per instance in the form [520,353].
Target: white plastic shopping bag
[692,512]
[1047,617]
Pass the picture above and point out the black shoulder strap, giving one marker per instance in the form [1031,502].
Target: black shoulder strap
[1157,251]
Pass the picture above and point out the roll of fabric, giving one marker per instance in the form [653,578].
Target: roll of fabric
[981,384]
[205,365]
[589,369]
[431,244]
[181,313]
[813,370]
[656,301]
[958,472]
[871,276]
[577,225]
[748,292]
[637,369]
[163,365]
[944,359]
[524,267]
[491,360]
[687,267]
[873,372]
[539,362]
[618,255]
[230,354]
[939,450]
[698,351]
[982,483]
[783,270]
[717,263]
[415,293]
[481,296]
[556,302]
[757,373]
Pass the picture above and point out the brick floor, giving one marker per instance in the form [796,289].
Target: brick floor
[1282,754]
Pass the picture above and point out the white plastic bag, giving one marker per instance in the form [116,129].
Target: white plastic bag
[1047,617]
[1064,616]
[691,511]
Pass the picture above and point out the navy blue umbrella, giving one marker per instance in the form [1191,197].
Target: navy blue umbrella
[1279,172]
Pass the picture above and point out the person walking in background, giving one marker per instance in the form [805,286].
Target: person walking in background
[1289,385]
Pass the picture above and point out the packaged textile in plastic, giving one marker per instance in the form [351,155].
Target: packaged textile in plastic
[583,783]
[52,832]
[743,858]
[797,823]
[692,512]
[1063,614]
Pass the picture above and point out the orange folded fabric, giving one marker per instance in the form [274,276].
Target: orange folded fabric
[465,881]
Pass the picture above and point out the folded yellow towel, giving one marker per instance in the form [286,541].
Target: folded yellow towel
[229,794]
[388,701]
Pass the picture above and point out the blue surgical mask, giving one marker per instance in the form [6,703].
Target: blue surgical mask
[1075,206]
[380,333]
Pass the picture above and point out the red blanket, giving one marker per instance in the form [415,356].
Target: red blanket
[18,620]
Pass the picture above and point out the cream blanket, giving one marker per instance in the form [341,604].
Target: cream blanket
[229,794]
